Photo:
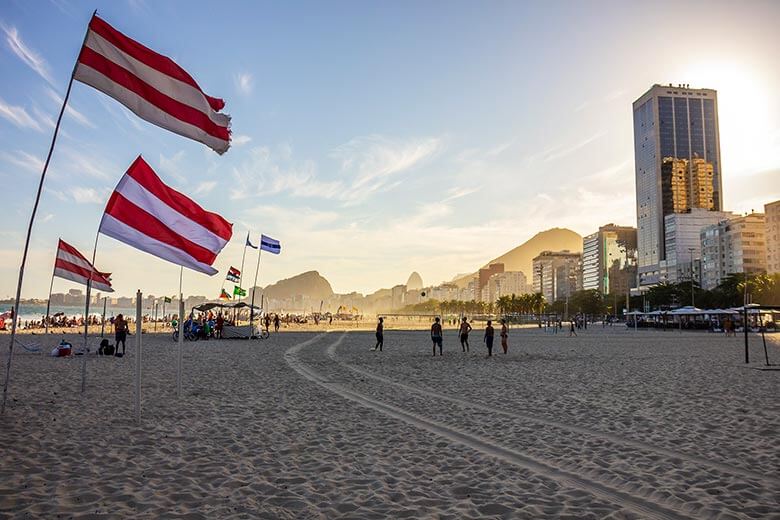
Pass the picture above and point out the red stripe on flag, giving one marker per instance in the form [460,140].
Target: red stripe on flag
[70,249]
[130,81]
[144,222]
[146,177]
[147,56]
[77,269]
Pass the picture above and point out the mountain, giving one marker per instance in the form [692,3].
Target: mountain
[521,257]
[310,284]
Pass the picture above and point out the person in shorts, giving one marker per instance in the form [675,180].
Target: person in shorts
[120,332]
[436,336]
[465,328]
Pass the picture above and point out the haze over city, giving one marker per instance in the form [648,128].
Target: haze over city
[375,139]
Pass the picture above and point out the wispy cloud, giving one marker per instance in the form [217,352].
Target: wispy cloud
[239,140]
[23,160]
[558,152]
[30,57]
[81,162]
[366,166]
[244,82]
[81,195]
[18,116]
[459,192]
[75,114]
[205,187]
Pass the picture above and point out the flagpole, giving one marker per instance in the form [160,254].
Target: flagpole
[86,316]
[241,276]
[254,288]
[30,225]
[181,334]
[48,302]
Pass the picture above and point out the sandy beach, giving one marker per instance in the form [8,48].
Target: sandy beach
[609,424]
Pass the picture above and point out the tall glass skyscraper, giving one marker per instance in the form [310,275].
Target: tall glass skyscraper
[677,161]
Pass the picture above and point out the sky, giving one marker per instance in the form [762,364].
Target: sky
[374,139]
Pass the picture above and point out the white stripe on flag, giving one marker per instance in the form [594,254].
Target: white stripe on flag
[180,224]
[146,110]
[119,230]
[73,259]
[169,86]
[73,277]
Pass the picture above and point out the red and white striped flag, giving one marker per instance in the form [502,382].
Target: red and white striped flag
[150,216]
[71,265]
[151,85]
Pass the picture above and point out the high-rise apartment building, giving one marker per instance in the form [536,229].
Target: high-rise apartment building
[505,284]
[682,244]
[677,163]
[736,245]
[772,235]
[557,274]
[609,259]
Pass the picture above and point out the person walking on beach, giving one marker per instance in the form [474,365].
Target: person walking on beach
[572,332]
[489,332]
[277,323]
[465,328]
[504,336]
[120,332]
[380,334]
[436,336]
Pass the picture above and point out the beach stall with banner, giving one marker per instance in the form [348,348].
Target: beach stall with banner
[233,313]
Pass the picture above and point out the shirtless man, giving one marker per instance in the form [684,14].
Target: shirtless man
[436,336]
[465,328]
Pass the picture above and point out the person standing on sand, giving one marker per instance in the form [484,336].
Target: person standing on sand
[120,332]
[277,323]
[380,334]
[436,336]
[465,328]
[571,329]
[489,333]
[504,336]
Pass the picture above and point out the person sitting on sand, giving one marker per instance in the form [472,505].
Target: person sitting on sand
[465,328]
[120,332]
[504,336]
[436,336]
[380,334]
[489,332]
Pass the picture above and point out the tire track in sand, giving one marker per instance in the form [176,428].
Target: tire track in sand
[644,508]
[726,468]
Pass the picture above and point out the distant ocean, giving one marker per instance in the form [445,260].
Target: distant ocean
[35,312]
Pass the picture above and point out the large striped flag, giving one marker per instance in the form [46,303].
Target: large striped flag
[150,216]
[151,85]
[71,265]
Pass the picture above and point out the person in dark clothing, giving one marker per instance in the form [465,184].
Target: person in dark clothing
[489,332]
[436,336]
[572,332]
[120,332]
[380,334]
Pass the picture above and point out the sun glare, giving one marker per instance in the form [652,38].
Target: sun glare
[749,142]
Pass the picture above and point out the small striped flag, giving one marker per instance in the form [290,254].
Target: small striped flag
[270,245]
[71,265]
[145,213]
[233,275]
[153,86]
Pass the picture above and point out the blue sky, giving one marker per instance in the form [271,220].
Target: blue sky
[377,138]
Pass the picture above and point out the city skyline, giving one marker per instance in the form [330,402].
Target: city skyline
[365,157]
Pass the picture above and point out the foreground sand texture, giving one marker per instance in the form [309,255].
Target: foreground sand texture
[611,424]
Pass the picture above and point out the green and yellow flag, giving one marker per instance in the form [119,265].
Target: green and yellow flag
[238,291]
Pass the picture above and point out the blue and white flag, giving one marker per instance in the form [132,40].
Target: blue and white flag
[270,245]
[250,244]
